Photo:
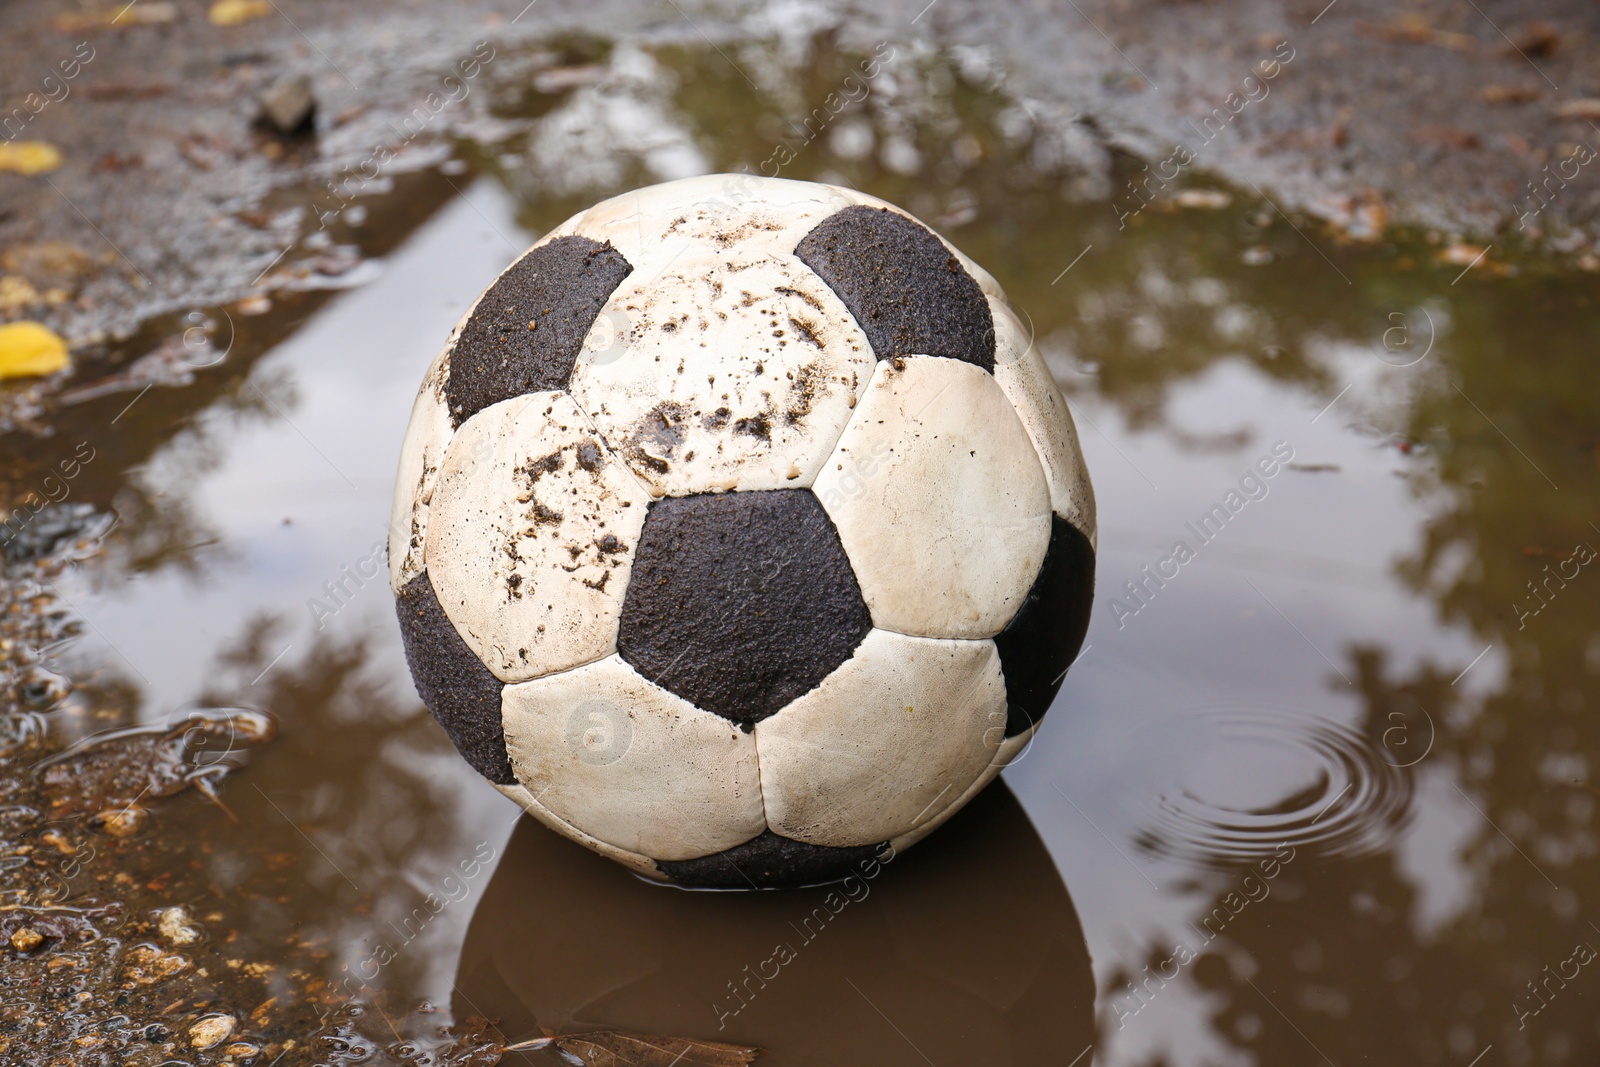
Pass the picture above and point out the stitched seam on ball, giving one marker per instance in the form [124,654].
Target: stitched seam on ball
[1070,428]
[611,453]
[833,451]
[761,786]
[576,834]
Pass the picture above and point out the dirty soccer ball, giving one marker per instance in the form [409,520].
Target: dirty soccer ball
[740,532]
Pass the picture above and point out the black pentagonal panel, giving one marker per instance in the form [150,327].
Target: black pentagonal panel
[740,602]
[526,332]
[768,861]
[452,682]
[909,293]
[1044,636]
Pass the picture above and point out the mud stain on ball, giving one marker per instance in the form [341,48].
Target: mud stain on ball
[546,517]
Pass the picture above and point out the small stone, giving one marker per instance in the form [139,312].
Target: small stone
[241,1050]
[1461,254]
[212,1031]
[560,79]
[17,293]
[289,104]
[1204,199]
[148,965]
[175,927]
[121,822]
[26,939]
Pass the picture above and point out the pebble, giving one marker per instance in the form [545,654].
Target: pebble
[212,1031]
[121,822]
[176,928]
[289,104]
[1205,199]
[26,939]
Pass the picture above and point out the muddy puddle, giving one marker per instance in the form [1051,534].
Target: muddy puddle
[1316,791]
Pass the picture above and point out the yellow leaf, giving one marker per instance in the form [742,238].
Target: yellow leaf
[29,157]
[233,12]
[28,349]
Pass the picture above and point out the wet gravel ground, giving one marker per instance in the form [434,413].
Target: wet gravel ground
[1358,114]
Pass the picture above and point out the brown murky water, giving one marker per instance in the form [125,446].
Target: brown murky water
[1317,790]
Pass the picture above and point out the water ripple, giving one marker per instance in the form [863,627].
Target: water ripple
[1263,777]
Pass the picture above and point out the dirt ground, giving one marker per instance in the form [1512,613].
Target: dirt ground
[1361,115]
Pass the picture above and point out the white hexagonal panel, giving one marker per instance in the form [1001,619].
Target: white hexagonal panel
[888,740]
[1010,749]
[708,215]
[1022,373]
[939,498]
[634,861]
[724,373]
[630,764]
[531,533]
[427,435]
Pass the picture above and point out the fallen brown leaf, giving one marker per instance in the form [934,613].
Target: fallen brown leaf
[1508,94]
[111,90]
[1414,29]
[1536,38]
[115,162]
[1448,136]
[117,17]
[1340,134]
[617,1048]
[1584,108]
[50,264]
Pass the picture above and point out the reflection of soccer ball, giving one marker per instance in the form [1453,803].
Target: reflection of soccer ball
[1015,990]
[741,532]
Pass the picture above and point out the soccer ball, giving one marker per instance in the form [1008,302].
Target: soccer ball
[740,532]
